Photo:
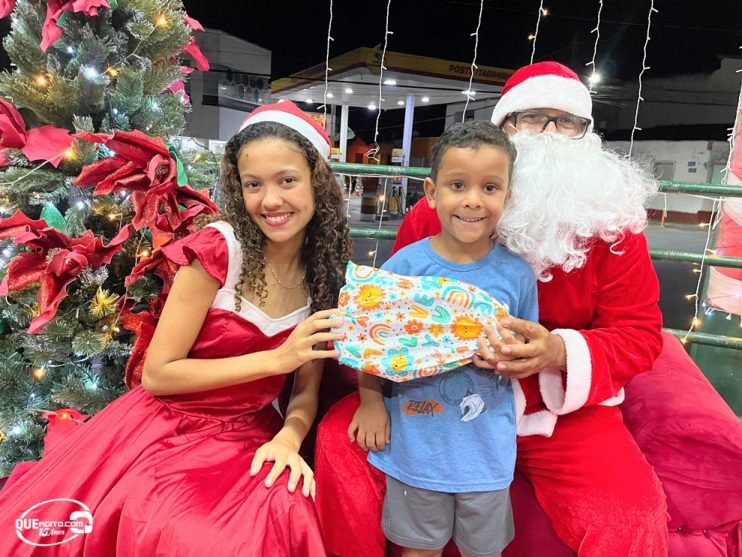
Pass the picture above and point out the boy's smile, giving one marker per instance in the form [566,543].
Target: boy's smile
[469,195]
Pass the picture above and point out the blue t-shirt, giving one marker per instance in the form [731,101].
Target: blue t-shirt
[455,432]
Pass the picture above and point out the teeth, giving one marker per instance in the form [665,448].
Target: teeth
[278,219]
[470,220]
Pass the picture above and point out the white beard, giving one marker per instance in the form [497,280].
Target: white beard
[566,192]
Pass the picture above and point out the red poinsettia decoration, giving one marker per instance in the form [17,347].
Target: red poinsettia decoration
[50,32]
[42,143]
[192,48]
[55,261]
[143,165]
[6,6]
[143,325]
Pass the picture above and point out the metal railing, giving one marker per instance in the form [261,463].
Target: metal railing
[666,255]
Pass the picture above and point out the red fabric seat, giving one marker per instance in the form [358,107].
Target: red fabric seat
[693,440]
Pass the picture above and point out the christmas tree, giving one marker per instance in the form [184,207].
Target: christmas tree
[89,192]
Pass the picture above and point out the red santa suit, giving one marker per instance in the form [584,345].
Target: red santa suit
[588,474]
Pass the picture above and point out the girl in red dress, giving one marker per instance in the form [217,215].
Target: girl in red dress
[192,462]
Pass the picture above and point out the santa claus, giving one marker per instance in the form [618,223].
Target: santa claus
[576,214]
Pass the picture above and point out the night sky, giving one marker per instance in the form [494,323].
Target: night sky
[687,36]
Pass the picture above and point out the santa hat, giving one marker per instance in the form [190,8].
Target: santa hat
[544,85]
[288,114]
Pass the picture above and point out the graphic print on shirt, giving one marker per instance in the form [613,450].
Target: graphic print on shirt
[458,389]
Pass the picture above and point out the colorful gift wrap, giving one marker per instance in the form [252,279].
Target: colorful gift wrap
[403,328]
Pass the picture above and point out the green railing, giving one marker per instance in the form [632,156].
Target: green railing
[422,172]
[664,186]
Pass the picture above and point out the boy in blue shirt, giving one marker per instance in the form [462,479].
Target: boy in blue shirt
[448,472]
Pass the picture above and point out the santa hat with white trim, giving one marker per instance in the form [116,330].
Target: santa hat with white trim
[544,85]
[288,114]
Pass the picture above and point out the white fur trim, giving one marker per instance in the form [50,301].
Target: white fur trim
[294,122]
[579,375]
[614,400]
[546,91]
[538,423]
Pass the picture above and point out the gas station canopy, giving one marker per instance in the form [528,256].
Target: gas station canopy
[353,80]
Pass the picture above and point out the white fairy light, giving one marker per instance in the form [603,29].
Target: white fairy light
[639,98]
[373,153]
[595,77]
[535,34]
[327,65]
[469,93]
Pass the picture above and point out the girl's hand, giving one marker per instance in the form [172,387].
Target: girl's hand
[541,350]
[299,347]
[283,455]
[370,426]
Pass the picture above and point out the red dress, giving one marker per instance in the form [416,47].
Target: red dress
[169,476]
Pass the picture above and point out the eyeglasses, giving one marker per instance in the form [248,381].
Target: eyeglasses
[566,124]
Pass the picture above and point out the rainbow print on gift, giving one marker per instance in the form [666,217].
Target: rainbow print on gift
[403,328]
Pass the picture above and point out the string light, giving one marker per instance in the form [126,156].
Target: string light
[144,253]
[595,30]
[39,373]
[69,154]
[90,72]
[538,23]
[469,93]
[639,98]
[374,151]
[41,80]
[327,66]
[113,72]
[162,21]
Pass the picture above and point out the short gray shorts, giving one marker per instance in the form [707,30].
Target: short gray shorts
[481,523]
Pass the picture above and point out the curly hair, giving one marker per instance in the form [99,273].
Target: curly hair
[327,244]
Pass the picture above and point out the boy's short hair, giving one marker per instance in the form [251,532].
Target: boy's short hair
[472,135]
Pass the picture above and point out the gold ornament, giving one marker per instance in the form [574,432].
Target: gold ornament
[108,327]
[3,437]
[103,206]
[103,304]
[33,310]
[39,373]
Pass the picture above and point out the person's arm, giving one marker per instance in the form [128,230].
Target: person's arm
[167,368]
[283,449]
[370,426]
[420,222]
[624,337]
[591,366]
